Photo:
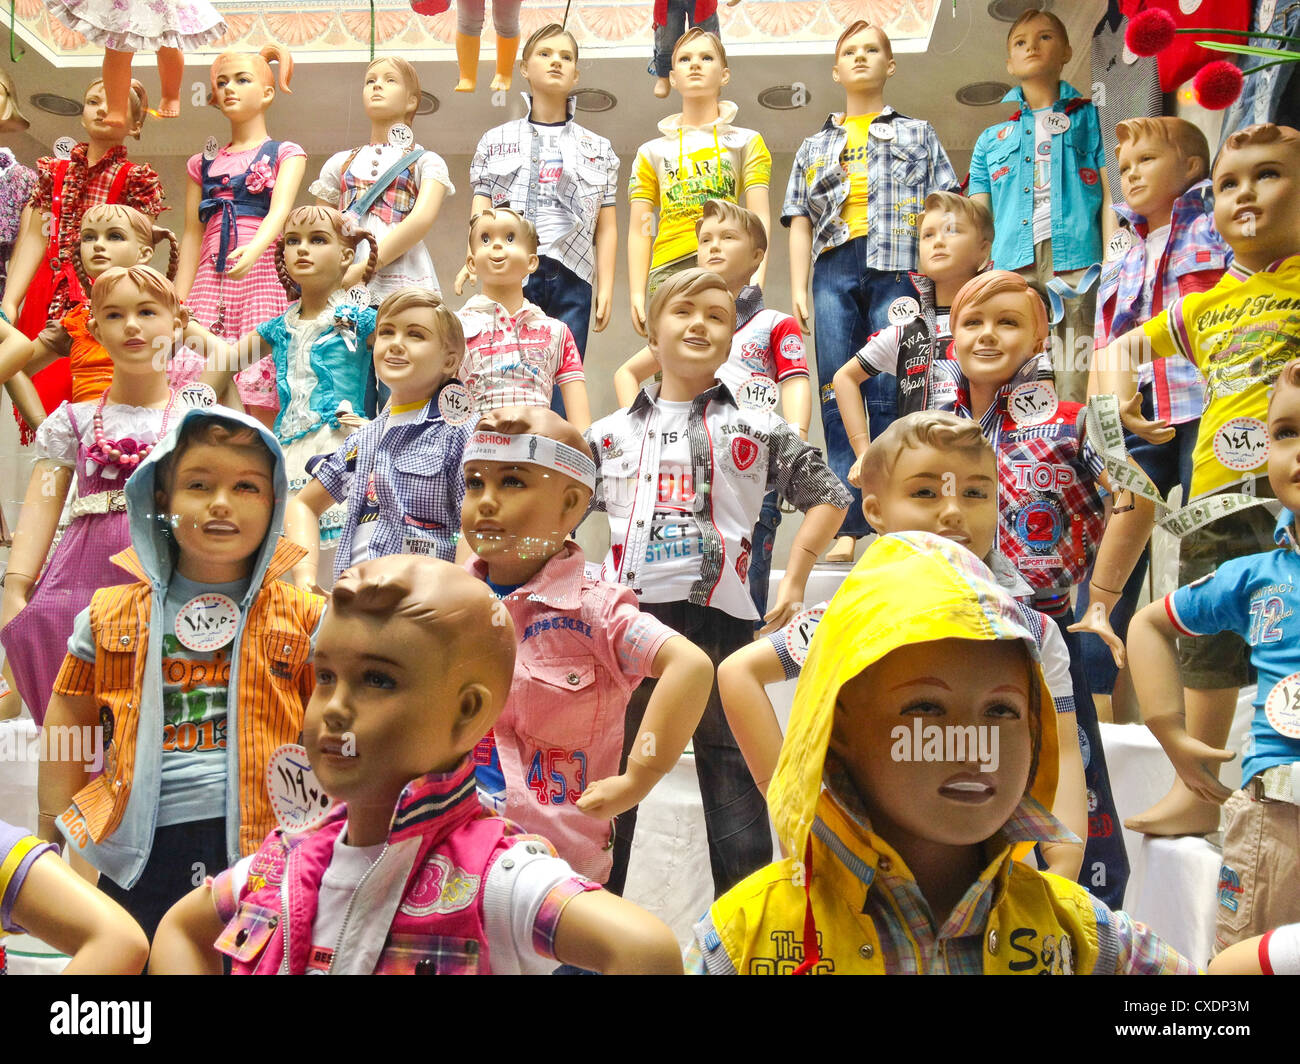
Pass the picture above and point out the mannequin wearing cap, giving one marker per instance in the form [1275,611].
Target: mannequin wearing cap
[389,738]
[584,645]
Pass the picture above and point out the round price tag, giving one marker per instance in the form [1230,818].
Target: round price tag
[197,395]
[1282,707]
[1241,444]
[297,797]
[757,393]
[1056,123]
[455,405]
[903,309]
[1119,243]
[63,147]
[799,632]
[207,622]
[210,148]
[1032,403]
[1128,56]
[1189,7]
[400,136]
[882,130]
[359,295]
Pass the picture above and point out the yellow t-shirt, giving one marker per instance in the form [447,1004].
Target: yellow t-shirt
[678,171]
[854,161]
[1239,334]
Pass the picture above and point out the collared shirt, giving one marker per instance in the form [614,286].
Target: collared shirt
[413,475]
[506,166]
[908,163]
[737,456]
[1194,259]
[1239,334]
[907,349]
[584,647]
[1002,167]
[515,361]
[766,343]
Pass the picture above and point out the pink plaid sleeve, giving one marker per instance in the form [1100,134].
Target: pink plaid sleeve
[547,924]
[570,361]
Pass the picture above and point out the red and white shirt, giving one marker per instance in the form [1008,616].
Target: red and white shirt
[515,361]
[766,343]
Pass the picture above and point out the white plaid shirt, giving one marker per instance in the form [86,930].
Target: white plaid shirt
[505,169]
[906,165]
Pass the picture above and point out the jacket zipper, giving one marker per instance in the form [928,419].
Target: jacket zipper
[284,913]
[347,914]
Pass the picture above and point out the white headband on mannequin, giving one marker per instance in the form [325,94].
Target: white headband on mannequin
[527,449]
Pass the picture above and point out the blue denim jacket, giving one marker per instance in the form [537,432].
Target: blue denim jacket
[908,163]
[1003,167]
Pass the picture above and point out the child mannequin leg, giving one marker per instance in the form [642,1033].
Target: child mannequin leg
[171,68]
[117,85]
[469,29]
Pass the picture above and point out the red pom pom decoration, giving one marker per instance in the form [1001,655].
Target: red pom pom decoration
[1150,32]
[1218,85]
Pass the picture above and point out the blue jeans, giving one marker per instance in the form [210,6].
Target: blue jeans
[760,553]
[735,815]
[1167,464]
[562,294]
[850,303]
[674,26]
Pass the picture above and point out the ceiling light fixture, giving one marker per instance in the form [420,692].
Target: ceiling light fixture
[53,104]
[595,100]
[428,104]
[1010,10]
[982,93]
[785,97]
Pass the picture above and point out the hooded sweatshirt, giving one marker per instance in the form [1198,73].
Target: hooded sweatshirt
[848,903]
[111,821]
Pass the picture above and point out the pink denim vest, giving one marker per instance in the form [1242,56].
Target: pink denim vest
[422,910]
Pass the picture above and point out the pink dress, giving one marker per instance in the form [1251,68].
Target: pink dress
[239,306]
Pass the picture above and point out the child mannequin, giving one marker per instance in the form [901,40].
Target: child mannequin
[1043,175]
[574,210]
[1255,597]
[514,354]
[317,346]
[1239,334]
[859,234]
[389,737]
[398,475]
[670,19]
[135,315]
[16,181]
[193,732]
[914,857]
[399,204]
[699,156]
[41,895]
[236,204]
[768,344]
[902,479]
[683,543]
[585,647]
[1173,249]
[170,29]
[956,234]
[469,28]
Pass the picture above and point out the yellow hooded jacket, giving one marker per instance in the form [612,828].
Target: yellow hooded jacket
[809,912]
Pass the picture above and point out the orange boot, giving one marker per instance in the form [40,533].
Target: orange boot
[507,47]
[467,60]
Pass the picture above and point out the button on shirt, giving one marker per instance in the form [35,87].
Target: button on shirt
[515,361]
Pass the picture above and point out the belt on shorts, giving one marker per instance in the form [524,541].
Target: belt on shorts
[1281,783]
[102,502]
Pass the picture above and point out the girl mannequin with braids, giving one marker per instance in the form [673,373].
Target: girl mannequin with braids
[236,203]
[318,346]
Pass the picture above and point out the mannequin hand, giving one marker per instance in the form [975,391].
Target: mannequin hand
[1197,765]
[462,277]
[638,312]
[785,608]
[801,313]
[603,302]
[609,797]
[240,261]
[352,421]
[855,471]
[15,601]
[1152,431]
[1097,622]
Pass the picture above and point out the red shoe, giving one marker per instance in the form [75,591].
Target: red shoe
[430,7]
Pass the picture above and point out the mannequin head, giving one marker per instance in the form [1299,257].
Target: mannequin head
[1159,159]
[689,325]
[864,58]
[502,247]
[94,110]
[732,242]
[413,664]
[1256,206]
[955,238]
[242,83]
[391,90]
[1284,437]
[113,234]
[318,246]
[1038,47]
[11,118]
[998,324]
[528,479]
[699,65]
[135,314]
[550,61]
[419,344]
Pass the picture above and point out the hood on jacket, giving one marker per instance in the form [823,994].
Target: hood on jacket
[151,546]
[908,587]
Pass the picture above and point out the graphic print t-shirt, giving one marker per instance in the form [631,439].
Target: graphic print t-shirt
[672,560]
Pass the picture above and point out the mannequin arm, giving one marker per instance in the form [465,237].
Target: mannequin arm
[675,708]
[1071,804]
[61,908]
[815,534]
[758,200]
[577,408]
[224,360]
[853,413]
[606,259]
[742,681]
[29,250]
[182,945]
[241,260]
[801,243]
[59,781]
[1122,545]
[301,517]
[1109,219]
[37,523]
[602,932]
[1241,958]
[640,243]
[627,378]
[1151,640]
[15,352]
[187,265]
[406,233]
[796,404]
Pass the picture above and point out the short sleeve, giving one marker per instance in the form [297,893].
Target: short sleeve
[756,171]
[943,177]
[334,471]
[799,472]
[880,353]
[55,337]
[275,332]
[796,203]
[194,169]
[1137,949]
[635,637]
[433,167]
[788,349]
[478,183]
[644,184]
[18,852]
[55,439]
[44,190]
[366,323]
[288,150]
[329,185]
[1056,668]
[611,180]
[228,888]
[1279,951]
[82,640]
[979,169]
[1215,603]
[1167,331]
[144,190]
[570,368]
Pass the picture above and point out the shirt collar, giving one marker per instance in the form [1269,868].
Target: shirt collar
[558,583]
[748,303]
[1284,533]
[486,305]
[648,395]
[115,154]
[1194,201]
[835,120]
[436,803]
[1065,91]
[727,111]
[570,107]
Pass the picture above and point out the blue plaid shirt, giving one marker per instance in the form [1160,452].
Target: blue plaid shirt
[409,481]
[902,169]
